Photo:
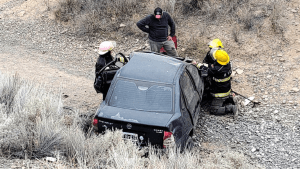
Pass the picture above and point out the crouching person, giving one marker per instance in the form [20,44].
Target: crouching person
[220,89]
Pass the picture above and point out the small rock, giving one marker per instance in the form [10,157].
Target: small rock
[282,60]
[51,159]
[294,11]
[276,111]
[21,13]
[183,49]
[295,89]
[253,149]
[239,71]
[233,74]
[64,31]
[279,54]
[122,25]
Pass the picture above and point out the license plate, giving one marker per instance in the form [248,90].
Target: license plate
[130,136]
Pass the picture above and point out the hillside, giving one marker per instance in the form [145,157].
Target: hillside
[54,43]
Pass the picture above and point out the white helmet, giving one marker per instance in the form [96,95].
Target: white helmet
[106,46]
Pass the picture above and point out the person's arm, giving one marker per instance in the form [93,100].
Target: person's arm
[205,60]
[171,23]
[142,24]
[211,70]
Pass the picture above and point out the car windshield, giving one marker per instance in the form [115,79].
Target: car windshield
[143,96]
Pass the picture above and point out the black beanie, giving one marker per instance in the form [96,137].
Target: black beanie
[158,11]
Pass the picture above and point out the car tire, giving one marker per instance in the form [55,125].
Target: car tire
[189,144]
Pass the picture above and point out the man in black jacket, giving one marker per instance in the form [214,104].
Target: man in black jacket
[220,72]
[157,27]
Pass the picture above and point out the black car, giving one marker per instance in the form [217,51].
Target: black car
[154,99]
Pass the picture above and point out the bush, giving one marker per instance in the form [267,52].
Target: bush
[96,16]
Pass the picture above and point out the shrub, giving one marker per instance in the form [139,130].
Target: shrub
[94,16]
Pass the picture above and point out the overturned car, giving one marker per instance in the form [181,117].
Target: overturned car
[154,99]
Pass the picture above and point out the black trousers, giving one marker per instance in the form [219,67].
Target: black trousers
[221,105]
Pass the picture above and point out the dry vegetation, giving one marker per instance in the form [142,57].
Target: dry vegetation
[34,125]
[238,23]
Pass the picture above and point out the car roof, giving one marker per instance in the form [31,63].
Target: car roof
[151,67]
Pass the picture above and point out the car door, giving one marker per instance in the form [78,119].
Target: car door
[199,87]
[190,95]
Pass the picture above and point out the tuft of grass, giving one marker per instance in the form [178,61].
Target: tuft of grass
[8,92]
[275,19]
[236,34]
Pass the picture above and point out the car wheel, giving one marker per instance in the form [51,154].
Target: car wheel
[189,144]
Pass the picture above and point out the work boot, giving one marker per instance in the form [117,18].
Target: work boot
[235,100]
[231,109]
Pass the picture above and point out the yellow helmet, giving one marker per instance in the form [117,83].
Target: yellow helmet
[216,43]
[222,57]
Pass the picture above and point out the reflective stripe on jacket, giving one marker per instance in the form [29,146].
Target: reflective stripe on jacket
[221,94]
[222,80]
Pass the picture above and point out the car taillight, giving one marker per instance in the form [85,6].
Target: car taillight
[168,140]
[95,122]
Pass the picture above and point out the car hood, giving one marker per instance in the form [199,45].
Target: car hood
[135,116]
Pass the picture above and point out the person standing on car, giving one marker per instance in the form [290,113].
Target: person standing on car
[220,89]
[157,27]
[105,57]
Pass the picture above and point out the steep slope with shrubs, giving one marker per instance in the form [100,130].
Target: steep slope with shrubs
[54,42]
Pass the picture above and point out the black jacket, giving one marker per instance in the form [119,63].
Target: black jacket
[99,84]
[217,71]
[208,59]
[158,28]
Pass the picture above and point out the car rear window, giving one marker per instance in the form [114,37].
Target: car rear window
[142,96]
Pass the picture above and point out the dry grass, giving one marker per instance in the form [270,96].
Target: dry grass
[196,20]
[36,128]
[91,16]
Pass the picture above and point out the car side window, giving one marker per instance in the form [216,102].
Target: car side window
[190,94]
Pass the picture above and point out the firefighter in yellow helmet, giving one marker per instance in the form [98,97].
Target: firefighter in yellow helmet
[220,88]
[213,45]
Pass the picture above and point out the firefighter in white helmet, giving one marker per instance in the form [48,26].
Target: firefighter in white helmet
[103,78]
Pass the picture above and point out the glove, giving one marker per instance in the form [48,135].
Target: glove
[199,65]
[122,60]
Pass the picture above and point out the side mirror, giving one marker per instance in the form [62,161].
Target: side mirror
[189,60]
[180,58]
